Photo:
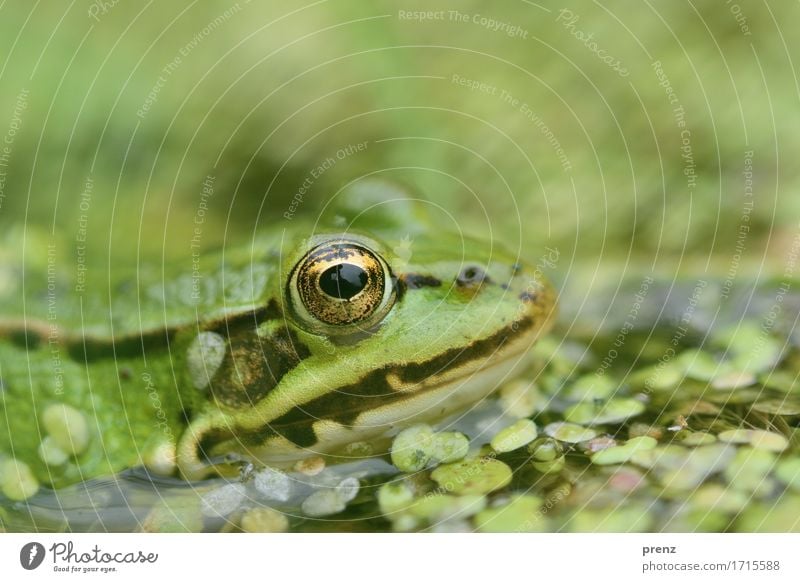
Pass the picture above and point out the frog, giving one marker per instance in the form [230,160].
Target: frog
[321,332]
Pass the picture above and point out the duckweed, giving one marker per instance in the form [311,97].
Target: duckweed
[659,378]
[711,446]
[698,365]
[473,476]
[778,407]
[449,447]
[554,466]
[437,507]
[764,358]
[739,396]
[411,448]
[680,468]
[624,453]
[749,469]
[733,380]
[591,387]
[759,439]
[628,518]
[547,456]
[520,514]
[264,520]
[739,340]
[515,436]
[520,398]
[394,496]
[717,497]
[545,449]
[612,412]
[569,432]
[626,479]
[697,520]
[788,473]
[781,516]
[598,443]
[179,515]
[698,439]
[643,429]
[781,380]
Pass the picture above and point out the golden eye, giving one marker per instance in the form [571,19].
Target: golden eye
[341,286]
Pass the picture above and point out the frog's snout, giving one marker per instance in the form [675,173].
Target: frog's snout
[536,296]
[524,283]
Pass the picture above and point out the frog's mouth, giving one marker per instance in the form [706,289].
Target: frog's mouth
[398,396]
[454,380]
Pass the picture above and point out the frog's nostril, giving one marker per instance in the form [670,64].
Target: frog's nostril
[471,276]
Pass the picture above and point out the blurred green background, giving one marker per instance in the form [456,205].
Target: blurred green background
[571,142]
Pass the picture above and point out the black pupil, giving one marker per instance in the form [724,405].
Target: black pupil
[343,281]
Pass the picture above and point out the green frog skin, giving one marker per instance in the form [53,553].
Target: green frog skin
[316,335]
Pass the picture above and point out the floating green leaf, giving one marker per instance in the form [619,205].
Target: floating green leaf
[569,432]
[612,412]
[625,452]
[759,439]
[515,436]
[473,476]
[520,514]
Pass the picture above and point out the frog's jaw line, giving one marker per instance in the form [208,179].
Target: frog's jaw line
[190,465]
[432,404]
[455,390]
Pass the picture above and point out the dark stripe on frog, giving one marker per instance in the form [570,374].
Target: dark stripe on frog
[346,404]
[26,338]
[35,334]
[94,348]
[90,348]
[417,281]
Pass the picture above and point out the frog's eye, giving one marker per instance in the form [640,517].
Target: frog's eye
[340,287]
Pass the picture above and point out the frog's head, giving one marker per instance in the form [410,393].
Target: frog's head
[384,330]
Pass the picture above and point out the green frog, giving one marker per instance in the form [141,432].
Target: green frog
[316,335]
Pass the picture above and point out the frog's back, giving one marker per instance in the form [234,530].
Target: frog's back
[46,288]
[102,346]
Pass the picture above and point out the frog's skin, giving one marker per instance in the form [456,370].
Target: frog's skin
[245,369]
